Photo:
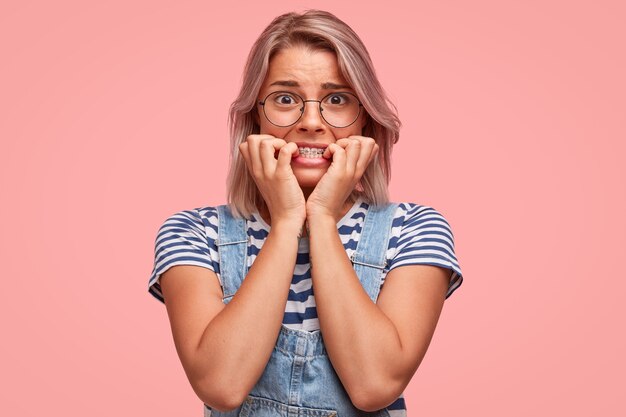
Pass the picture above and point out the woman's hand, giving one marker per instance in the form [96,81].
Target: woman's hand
[350,158]
[274,177]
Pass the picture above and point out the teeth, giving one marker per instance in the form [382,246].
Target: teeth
[311,152]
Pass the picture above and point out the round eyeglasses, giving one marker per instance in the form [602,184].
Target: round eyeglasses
[284,108]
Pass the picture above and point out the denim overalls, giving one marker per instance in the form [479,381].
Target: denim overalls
[299,379]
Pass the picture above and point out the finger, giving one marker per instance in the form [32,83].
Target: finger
[338,156]
[341,142]
[285,154]
[327,154]
[245,153]
[375,151]
[344,142]
[255,159]
[254,143]
[266,153]
[278,144]
[353,155]
[368,151]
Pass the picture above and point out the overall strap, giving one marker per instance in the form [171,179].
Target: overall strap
[369,259]
[232,250]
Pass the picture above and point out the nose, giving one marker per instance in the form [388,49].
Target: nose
[311,119]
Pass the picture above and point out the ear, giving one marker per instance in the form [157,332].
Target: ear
[255,115]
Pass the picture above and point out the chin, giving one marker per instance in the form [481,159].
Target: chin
[309,179]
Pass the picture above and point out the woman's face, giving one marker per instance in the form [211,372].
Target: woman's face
[305,72]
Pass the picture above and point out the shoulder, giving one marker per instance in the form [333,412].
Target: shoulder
[192,218]
[186,237]
[422,235]
[200,223]
[410,216]
[419,229]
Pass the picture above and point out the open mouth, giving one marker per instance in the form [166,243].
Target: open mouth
[311,153]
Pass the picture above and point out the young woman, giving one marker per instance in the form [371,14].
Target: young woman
[309,294]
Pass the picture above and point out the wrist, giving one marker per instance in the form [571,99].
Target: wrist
[314,211]
[289,227]
[319,220]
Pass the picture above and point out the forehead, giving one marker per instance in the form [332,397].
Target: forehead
[310,68]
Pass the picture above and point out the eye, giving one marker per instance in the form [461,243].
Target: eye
[285,99]
[338,99]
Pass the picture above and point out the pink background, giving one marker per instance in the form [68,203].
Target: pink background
[113,116]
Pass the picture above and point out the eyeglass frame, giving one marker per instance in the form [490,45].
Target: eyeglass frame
[319,107]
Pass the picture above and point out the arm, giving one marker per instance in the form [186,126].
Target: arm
[214,340]
[375,348]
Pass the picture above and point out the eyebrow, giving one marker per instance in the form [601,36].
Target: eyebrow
[325,86]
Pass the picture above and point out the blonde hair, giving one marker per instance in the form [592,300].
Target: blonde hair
[318,30]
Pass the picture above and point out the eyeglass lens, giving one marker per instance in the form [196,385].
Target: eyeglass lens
[338,109]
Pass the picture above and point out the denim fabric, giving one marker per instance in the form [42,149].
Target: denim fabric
[299,379]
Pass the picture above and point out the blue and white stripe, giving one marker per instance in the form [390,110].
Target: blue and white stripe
[419,235]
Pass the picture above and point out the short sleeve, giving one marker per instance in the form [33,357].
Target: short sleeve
[426,239]
[182,240]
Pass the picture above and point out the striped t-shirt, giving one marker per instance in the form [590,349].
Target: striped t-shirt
[419,235]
